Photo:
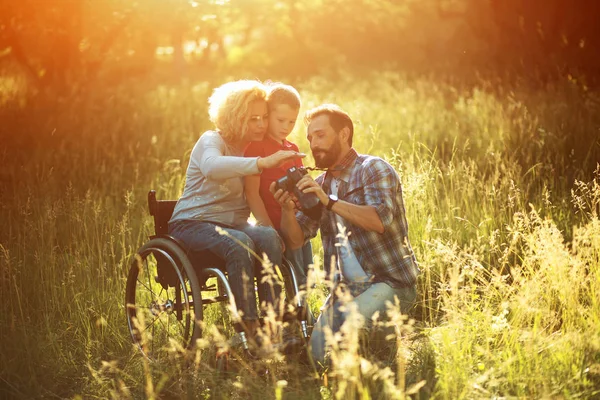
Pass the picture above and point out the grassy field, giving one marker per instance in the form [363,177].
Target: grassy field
[502,190]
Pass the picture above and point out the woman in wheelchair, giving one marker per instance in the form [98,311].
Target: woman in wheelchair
[213,196]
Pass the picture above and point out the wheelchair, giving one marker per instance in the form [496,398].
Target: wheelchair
[168,289]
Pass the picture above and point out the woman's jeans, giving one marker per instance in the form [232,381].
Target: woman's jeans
[373,299]
[241,266]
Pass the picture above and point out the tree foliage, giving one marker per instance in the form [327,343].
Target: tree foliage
[57,41]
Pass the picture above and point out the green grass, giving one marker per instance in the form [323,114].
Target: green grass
[502,193]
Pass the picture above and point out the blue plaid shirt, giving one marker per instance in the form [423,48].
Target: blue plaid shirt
[371,181]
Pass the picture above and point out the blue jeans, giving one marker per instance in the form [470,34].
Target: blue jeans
[241,266]
[300,259]
[369,301]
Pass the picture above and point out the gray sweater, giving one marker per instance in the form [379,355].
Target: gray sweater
[214,183]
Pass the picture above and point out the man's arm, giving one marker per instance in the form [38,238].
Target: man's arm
[363,216]
[290,228]
[257,206]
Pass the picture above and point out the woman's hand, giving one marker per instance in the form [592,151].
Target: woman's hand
[278,158]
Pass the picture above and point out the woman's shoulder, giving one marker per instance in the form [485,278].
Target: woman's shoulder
[209,139]
[210,136]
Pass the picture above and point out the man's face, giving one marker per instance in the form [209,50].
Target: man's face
[325,142]
[258,122]
[282,119]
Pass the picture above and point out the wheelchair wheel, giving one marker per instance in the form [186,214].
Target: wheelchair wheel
[298,312]
[163,300]
[227,344]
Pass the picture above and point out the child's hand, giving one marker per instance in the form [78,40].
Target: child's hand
[278,158]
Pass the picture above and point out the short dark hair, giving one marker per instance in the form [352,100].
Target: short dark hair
[338,118]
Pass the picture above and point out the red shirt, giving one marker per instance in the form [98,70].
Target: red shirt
[265,148]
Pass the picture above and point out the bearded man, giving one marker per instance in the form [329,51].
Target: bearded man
[363,226]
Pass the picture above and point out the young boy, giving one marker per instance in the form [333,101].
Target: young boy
[284,105]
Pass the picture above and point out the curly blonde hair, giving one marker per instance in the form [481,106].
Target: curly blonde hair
[229,104]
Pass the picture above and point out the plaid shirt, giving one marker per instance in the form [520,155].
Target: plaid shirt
[368,180]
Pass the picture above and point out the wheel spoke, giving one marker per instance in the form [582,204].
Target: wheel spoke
[149,289]
[157,299]
[151,324]
[182,326]
[152,346]
[168,331]
[148,275]
[163,324]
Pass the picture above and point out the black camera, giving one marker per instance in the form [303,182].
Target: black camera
[309,202]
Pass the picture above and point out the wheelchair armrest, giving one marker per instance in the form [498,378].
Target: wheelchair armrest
[172,239]
[152,204]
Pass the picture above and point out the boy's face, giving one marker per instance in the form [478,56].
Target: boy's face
[282,119]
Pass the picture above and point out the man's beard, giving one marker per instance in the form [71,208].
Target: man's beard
[327,158]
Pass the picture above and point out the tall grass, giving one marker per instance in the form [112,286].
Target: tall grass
[502,192]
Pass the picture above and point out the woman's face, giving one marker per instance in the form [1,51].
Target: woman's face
[258,122]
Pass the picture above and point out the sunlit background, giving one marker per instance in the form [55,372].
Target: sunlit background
[58,43]
[488,109]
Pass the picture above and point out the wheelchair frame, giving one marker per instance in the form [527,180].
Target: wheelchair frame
[174,285]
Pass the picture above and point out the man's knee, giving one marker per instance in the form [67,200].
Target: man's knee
[317,347]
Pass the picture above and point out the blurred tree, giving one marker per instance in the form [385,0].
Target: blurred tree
[549,34]
[61,42]
[548,38]
[44,37]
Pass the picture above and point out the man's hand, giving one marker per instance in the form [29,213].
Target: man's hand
[363,216]
[290,229]
[286,200]
[308,185]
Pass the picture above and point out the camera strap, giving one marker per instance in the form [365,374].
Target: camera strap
[336,168]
